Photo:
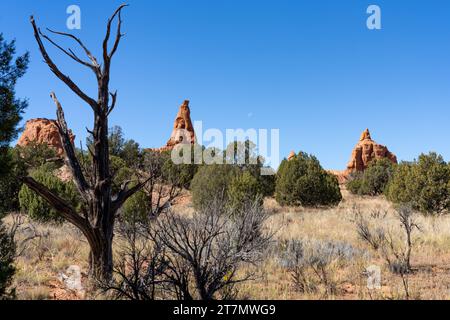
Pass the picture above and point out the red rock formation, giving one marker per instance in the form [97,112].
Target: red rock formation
[366,151]
[43,131]
[183,130]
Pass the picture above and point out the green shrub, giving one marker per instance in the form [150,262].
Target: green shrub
[36,207]
[303,182]
[137,208]
[180,175]
[7,269]
[243,188]
[374,179]
[354,183]
[211,183]
[244,156]
[10,183]
[120,172]
[35,155]
[424,184]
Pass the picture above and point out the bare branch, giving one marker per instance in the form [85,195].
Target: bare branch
[125,194]
[70,53]
[37,34]
[71,158]
[88,53]
[106,55]
[113,102]
[59,204]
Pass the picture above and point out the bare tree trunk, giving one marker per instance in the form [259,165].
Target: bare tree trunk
[97,217]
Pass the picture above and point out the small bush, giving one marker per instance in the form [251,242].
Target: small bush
[303,182]
[354,184]
[36,207]
[311,263]
[211,184]
[374,179]
[424,184]
[179,174]
[243,188]
[137,208]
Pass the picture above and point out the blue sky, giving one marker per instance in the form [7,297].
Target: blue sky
[309,68]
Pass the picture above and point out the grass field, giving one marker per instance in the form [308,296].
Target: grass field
[52,249]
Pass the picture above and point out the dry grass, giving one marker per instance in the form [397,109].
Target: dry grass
[59,247]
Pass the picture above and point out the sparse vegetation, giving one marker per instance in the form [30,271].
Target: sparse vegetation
[395,249]
[311,263]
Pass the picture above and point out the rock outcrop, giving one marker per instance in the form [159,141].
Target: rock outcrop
[363,154]
[183,130]
[291,156]
[366,151]
[43,131]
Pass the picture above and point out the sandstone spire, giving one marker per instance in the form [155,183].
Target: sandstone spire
[291,156]
[365,135]
[183,130]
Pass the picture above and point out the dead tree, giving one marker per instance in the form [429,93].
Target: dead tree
[97,217]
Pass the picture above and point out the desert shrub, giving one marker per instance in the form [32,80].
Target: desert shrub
[311,263]
[137,208]
[374,179]
[243,155]
[226,183]
[267,184]
[36,207]
[303,182]
[354,184]
[243,188]
[7,269]
[211,183]
[424,184]
[188,257]
[240,177]
[179,174]
[395,249]
[35,155]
